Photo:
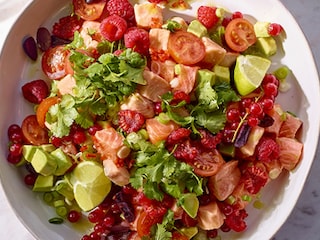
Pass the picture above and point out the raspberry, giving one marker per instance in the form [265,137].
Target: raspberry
[130,121]
[137,39]
[207,16]
[113,28]
[122,8]
[180,96]
[235,220]
[267,150]
[210,141]
[186,152]
[178,136]
[254,178]
[35,91]
[66,27]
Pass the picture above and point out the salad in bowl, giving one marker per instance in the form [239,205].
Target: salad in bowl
[149,122]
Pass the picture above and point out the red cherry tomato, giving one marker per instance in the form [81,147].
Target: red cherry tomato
[33,133]
[54,62]
[208,163]
[87,11]
[240,34]
[186,48]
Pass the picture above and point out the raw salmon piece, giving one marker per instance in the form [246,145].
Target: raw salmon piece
[164,69]
[91,40]
[158,131]
[224,182]
[159,38]
[210,216]
[156,86]
[290,152]
[148,15]
[107,142]
[214,52]
[276,114]
[185,80]
[118,175]
[290,126]
[138,103]
[66,85]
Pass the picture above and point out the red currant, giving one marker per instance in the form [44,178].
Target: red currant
[108,222]
[256,109]
[13,159]
[233,115]
[270,78]
[92,130]
[212,233]
[253,121]
[96,215]
[79,137]
[57,142]
[267,104]
[270,90]
[30,179]
[16,149]
[74,216]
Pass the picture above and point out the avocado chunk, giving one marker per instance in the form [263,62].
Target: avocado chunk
[197,28]
[29,150]
[222,74]
[63,161]
[206,74]
[261,29]
[267,45]
[43,163]
[43,183]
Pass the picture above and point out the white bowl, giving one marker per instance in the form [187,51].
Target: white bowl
[303,99]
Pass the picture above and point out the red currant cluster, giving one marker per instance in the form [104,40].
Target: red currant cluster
[251,109]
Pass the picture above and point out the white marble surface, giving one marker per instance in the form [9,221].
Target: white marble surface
[303,223]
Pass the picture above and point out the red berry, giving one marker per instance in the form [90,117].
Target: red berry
[254,177]
[267,150]
[35,91]
[253,121]
[30,179]
[270,78]
[212,233]
[13,159]
[207,16]
[122,8]
[179,96]
[16,149]
[267,104]
[92,130]
[67,26]
[274,29]
[108,222]
[137,39]
[74,216]
[256,109]
[270,90]
[233,114]
[157,108]
[237,15]
[178,136]
[130,121]
[208,140]
[96,215]
[113,28]
[79,137]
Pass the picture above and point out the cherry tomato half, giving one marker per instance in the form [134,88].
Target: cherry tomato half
[43,109]
[54,62]
[208,163]
[32,132]
[146,221]
[87,11]
[240,34]
[186,48]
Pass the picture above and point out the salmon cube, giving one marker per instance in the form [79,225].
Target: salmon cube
[290,126]
[159,39]
[214,52]
[148,15]
[290,152]
[66,85]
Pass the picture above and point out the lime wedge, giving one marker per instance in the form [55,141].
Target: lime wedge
[90,185]
[249,72]
[190,203]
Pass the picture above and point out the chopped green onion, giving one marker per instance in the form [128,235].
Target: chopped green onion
[48,197]
[62,211]
[282,72]
[56,220]
[258,204]
[246,198]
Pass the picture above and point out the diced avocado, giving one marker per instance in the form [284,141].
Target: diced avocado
[28,152]
[206,74]
[43,183]
[267,45]
[64,162]
[222,74]
[64,188]
[43,163]
[261,29]
[48,147]
[197,29]
[227,149]
[190,232]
